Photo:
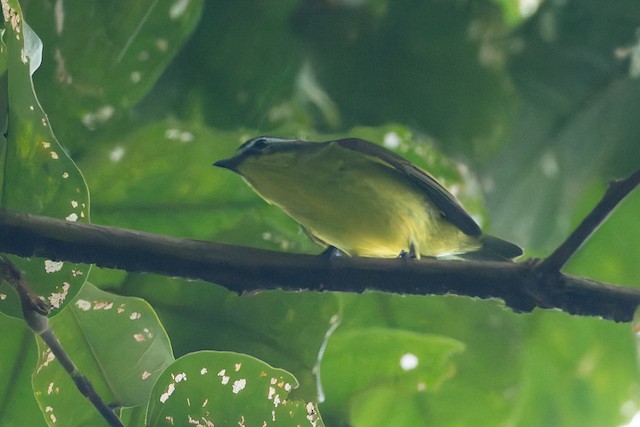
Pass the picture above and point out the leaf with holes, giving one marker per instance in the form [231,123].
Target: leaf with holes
[37,175]
[226,388]
[117,342]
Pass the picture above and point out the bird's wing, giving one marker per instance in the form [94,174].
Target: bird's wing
[445,201]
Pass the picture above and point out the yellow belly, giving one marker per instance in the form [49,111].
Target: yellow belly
[359,205]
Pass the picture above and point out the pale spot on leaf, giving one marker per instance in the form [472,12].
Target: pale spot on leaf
[102,305]
[165,396]
[239,385]
[391,140]
[162,45]
[101,116]
[57,298]
[408,361]
[136,76]
[52,266]
[59,16]
[178,8]
[50,357]
[116,154]
[83,305]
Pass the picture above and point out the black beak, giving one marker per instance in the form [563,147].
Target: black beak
[230,163]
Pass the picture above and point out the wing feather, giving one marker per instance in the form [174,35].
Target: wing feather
[441,197]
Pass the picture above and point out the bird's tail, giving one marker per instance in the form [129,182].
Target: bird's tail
[494,249]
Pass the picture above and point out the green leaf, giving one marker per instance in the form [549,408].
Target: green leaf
[122,360]
[37,175]
[224,388]
[575,372]
[101,59]
[485,371]
[363,366]
[17,360]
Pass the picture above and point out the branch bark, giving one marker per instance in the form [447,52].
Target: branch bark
[522,286]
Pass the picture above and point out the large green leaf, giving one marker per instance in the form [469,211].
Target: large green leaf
[37,174]
[373,370]
[575,372]
[225,388]
[117,342]
[102,58]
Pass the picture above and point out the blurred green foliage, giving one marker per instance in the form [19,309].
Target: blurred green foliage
[525,110]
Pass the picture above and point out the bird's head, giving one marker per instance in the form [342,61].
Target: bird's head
[260,148]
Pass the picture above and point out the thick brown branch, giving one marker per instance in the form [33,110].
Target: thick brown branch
[617,191]
[520,285]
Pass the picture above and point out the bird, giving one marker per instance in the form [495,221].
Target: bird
[363,199]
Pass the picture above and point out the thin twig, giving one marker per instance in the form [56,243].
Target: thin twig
[34,311]
[616,192]
[243,269]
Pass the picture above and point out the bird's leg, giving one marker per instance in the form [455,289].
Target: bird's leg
[331,252]
[411,254]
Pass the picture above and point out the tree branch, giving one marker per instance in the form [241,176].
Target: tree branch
[617,191]
[240,269]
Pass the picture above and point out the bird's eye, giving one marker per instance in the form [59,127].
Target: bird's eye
[259,144]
